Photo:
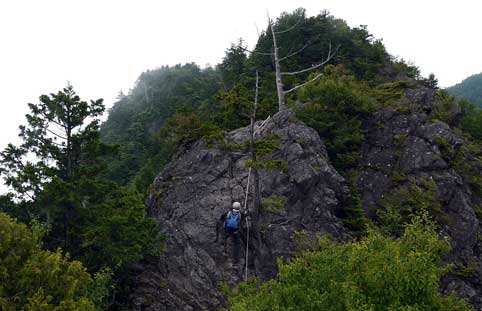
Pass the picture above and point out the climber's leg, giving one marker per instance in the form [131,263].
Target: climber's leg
[236,245]
[226,236]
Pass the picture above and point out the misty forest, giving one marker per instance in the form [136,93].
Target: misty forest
[359,182]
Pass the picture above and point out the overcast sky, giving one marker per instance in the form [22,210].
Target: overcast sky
[102,46]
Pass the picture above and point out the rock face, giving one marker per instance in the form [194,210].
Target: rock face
[404,145]
[192,193]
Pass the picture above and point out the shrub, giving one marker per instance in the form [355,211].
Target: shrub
[335,106]
[34,279]
[376,273]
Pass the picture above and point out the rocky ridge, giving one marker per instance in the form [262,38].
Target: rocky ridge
[405,147]
[192,192]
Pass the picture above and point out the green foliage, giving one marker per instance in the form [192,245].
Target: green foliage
[183,129]
[353,215]
[471,120]
[336,106]
[274,204]
[398,207]
[358,50]
[64,194]
[278,165]
[446,108]
[135,119]
[39,230]
[233,66]
[390,92]
[101,289]
[115,230]
[233,107]
[465,160]
[34,279]
[376,273]
[222,96]
[468,163]
[470,88]
[305,242]
[61,127]
[267,145]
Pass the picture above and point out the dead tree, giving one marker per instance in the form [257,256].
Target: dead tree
[252,133]
[278,60]
[256,197]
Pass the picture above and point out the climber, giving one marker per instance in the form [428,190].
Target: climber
[231,221]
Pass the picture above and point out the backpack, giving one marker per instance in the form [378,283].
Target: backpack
[232,220]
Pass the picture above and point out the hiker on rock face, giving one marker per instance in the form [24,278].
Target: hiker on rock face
[231,221]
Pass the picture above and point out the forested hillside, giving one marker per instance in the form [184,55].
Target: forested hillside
[212,100]
[366,191]
[470,88]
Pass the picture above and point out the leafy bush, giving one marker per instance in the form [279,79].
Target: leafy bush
[398,207]
[34,279]
[274,204]
[376,273]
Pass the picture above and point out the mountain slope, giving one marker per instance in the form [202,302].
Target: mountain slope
[219,96]
[470,88]
[370,141]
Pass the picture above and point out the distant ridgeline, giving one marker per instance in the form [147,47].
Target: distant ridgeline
[470,88]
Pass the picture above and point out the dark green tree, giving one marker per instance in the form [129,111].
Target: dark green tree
[233,66]
[60,142]
[57,175]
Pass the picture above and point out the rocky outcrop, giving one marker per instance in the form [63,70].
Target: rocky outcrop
[194,190]
[404,145]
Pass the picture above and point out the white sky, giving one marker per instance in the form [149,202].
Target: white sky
[102,46]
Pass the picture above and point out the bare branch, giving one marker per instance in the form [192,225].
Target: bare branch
[257,30]
[301,85]
[58,135]
[59,124]
[256,52]
[295,53]
[256,95]
[328,58]
[245,115]
[289,29]
[56,144]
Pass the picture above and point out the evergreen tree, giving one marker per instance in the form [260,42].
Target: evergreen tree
[57,176]
[60,146]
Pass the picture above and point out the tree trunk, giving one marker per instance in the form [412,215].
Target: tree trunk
[279,83]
